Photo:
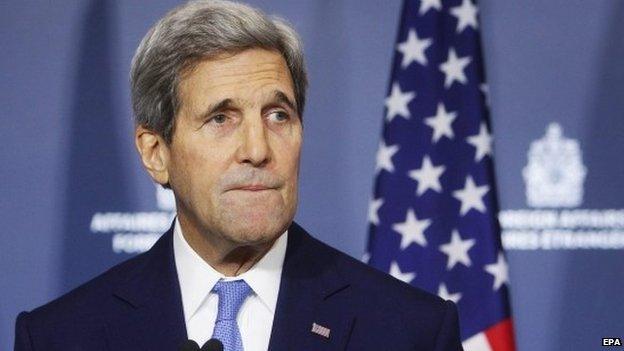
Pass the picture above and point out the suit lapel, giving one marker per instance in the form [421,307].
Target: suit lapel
[152,316]
[312,295]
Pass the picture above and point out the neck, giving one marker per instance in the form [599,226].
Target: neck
[225,256]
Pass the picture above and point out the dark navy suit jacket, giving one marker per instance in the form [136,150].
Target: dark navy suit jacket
[137,306]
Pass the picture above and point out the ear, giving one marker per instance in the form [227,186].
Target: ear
[154,153]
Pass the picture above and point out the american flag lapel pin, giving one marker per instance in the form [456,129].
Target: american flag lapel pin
[320,330]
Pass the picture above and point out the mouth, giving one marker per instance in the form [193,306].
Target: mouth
[253,187]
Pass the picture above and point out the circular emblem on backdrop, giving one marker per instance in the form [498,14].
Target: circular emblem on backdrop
[555,173]
[554,177]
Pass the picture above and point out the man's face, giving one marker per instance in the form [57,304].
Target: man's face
[234,158]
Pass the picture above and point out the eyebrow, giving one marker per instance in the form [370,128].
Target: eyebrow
[280,97]
[216,107]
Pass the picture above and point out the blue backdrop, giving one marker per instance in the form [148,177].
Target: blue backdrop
[75,199]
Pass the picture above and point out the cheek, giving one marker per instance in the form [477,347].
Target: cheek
[289,145]
[291,170]
[197,170]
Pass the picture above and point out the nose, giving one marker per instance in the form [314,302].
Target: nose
[254,148]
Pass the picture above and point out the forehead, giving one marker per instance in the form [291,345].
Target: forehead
[241,76]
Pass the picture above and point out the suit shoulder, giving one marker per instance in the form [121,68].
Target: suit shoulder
[377,284]
[88,297]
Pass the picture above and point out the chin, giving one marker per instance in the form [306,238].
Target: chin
[254,219]
[255,230]
[253,234]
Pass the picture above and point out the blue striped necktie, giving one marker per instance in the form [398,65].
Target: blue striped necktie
[232,294]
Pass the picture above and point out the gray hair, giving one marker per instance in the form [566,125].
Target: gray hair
[201,30]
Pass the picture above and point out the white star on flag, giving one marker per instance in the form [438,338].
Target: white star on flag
[499,270]
[396,272]
[444,294]
[373,210]
[425,5]
[397,102]
[413,49]
[471,196]
[427,176]
[482,142]
[384,156]
[412,230]
[441,123]
[457,250]
[466,15]
[453,68]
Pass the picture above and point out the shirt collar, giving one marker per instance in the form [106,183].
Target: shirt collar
[197,277]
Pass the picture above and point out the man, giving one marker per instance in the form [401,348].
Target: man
[218,91]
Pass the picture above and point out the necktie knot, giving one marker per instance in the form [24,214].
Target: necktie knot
[232,294]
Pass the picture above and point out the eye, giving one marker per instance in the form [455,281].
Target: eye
[218,119]
[279,116]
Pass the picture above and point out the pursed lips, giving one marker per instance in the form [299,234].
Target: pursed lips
[253,187]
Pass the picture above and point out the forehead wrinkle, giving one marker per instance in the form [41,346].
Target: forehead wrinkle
[237,77]
[273,59]
[265,82]
[260,83]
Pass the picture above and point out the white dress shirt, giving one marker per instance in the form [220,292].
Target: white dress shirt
[197,278]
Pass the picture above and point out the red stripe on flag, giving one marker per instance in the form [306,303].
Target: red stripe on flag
[501,336]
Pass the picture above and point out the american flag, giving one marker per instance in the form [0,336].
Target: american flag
[433,214]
